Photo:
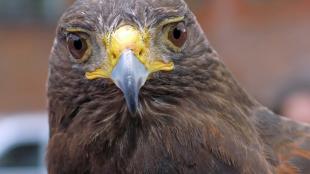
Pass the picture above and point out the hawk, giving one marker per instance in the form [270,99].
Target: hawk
[135,87]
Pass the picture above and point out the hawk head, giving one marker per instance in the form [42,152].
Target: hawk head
[129,45]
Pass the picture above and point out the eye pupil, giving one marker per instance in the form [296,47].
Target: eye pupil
[177,33]
[78,44]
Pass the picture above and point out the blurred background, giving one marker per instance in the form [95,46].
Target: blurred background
[265,43]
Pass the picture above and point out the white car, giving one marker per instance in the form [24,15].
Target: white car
[23,140]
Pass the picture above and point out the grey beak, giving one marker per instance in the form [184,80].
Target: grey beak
[130,75]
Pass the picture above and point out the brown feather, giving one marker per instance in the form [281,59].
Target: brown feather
[196,119]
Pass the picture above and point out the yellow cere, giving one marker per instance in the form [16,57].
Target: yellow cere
[128,37]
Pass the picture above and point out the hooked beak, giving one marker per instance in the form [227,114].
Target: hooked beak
[129,63]
[130,75]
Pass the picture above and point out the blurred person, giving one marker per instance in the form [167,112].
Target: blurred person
[294,102]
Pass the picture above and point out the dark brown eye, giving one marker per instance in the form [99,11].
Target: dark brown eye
[178,34]
[77,46]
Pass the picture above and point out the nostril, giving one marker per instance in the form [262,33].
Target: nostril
[141,52]
[113,55]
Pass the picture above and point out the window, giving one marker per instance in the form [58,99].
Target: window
[26,155]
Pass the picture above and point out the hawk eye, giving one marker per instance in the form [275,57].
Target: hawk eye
[178,34]
[78,46]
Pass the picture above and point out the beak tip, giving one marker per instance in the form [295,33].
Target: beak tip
[133,111]
[132,104]
[130,75]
